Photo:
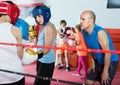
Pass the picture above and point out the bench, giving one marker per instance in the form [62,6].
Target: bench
[115,35]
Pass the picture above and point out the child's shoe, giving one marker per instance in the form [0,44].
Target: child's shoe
[75,73]
[60,67]
[67,69]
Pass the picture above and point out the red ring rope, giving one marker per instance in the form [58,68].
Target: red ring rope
[27,5]
[69,48]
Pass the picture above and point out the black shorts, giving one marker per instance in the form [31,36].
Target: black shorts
[44,70]
[96,76]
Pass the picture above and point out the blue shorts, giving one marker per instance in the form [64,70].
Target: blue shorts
[96,76]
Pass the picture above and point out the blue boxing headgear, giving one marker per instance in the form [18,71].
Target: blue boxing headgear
[42,10]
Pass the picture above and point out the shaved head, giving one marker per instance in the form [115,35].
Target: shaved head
[90,14]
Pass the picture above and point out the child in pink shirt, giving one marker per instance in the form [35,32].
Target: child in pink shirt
[80,44]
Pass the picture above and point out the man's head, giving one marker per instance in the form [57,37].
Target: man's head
[42,10]
[10,9]
[87,19]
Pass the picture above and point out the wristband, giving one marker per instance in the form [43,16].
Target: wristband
[40,54]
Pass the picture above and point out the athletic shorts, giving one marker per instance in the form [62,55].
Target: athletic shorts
[62,51]
[96,76]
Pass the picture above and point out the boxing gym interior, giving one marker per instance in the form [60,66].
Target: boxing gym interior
[107,15]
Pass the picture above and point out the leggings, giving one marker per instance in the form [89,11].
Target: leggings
[82,63]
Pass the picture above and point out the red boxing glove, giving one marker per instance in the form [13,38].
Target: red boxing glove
[38,27]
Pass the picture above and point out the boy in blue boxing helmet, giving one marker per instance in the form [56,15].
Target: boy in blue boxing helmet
[46,37]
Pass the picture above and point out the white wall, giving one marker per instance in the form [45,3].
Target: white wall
[70,11]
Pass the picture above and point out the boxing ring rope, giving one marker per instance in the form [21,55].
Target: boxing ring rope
[35,4]
[27,5]
[40,77]
[50,47]
[68,48]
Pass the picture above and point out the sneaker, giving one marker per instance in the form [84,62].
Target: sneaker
[75,73]
[60,67]
[59,64]
[67,69]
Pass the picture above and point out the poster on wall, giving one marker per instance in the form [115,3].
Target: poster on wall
[113,3]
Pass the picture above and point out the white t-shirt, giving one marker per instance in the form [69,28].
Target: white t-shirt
[9,59]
